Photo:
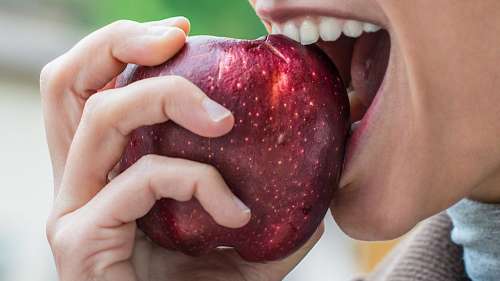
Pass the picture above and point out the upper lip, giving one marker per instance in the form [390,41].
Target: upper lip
[282,12]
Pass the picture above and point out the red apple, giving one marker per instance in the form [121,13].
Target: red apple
[283,157]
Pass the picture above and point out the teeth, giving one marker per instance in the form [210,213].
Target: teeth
[308,31]
[330,29]
[275,29]
[355,125]
[291,31]
[353,28]
[370,27]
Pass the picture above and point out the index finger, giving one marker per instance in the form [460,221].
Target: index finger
[109,117]
[68,81]
[102,55]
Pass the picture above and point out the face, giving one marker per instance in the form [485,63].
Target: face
[426,97]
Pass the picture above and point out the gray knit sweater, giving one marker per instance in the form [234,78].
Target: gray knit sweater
[476,227]
[427,255]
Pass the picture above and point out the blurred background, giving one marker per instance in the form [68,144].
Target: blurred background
[33,32]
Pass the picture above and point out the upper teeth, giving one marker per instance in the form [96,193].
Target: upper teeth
[308,31]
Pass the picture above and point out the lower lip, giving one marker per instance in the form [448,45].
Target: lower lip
[360,134]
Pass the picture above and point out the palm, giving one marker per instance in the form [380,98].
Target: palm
[154,263]
[219,265]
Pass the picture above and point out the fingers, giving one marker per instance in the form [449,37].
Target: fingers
[132,194]
[102,55]
[91,65]
[110,116]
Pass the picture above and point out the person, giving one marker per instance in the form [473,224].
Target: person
[433,141]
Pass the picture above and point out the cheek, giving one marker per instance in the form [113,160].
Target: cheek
[453,89]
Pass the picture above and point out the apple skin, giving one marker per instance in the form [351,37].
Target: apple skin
[283,158]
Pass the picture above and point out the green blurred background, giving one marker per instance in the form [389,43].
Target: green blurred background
[231,18]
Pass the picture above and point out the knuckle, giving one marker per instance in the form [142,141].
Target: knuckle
[50,229]
[122,25]
[52,78]
[66,237]
[184,85]
[171,82]
[209,171]
[95,101]
[45,75]
[187,192]
[60,238]
[175,80]
[147,162]
[95,109]
[178,94]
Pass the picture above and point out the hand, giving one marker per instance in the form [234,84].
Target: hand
[92,229]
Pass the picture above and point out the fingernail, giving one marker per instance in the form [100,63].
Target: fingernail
[162,31]
[215,111]
[241,205]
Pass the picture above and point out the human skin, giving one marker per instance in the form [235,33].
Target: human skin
[92,229]
[434,137]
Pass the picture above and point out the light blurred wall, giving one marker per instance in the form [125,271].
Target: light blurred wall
[31,34]
[26,183]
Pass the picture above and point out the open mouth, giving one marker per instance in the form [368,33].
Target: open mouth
[360,50]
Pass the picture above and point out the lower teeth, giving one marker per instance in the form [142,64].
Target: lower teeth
[355,125]
[349,88]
